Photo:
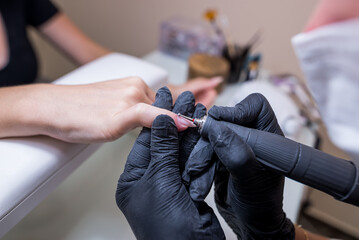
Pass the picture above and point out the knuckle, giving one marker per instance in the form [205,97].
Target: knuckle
[260,98]
[140,109]
[109,135]
[244,157]
[134,92]
[257,95]
[138,81]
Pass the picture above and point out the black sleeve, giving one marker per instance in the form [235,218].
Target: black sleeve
[39,11]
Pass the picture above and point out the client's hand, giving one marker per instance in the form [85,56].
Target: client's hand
[150,192]
[96,112]
[202,88]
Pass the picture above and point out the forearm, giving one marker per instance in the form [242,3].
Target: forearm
[65,35]
[22,110]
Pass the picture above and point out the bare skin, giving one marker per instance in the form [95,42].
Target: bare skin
[115,107]
[4,52]
[302,234]
[331,11]
[64,34]
[68,113]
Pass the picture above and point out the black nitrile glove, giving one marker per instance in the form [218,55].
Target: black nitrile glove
[248,196]
[200,170]
[254,112]
[188,138]
[150,192]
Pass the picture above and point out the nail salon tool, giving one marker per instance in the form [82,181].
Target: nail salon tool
[198,122]
[334,176]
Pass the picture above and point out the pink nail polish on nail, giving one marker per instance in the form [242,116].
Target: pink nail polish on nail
[185,123]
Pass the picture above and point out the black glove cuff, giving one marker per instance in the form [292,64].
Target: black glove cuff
[285,232]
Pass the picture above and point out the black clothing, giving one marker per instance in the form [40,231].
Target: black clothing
[17,15]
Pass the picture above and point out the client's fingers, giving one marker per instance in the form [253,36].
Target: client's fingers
[207,97]
[200,84]
[151,94]
[190,137]
[144,114]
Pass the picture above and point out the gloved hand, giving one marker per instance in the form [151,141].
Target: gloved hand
[150,192]
[254,112]
[247,195]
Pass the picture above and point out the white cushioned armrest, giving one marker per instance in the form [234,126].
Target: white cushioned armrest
[32,167]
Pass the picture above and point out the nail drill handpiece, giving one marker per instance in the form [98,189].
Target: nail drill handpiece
[334,176]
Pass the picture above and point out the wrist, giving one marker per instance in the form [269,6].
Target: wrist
[259,204]
[302,234]
[20,113]
[285,231]
[33,112]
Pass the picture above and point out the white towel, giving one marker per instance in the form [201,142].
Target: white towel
[329,58]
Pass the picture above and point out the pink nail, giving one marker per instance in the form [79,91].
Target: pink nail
[184,123]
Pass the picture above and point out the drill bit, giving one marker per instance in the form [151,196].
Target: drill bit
[199,122]
[185,117]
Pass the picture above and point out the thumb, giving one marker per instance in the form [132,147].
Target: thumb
[244,113]
[231,150]
[199,170]
[164,165]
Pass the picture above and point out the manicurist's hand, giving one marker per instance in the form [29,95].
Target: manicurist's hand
[83,113]
[248,196]
[254,112]
[150,192]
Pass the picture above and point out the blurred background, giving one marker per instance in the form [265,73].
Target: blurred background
[133,27]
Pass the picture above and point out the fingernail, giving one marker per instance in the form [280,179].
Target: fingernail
[217,79]
[184,123]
